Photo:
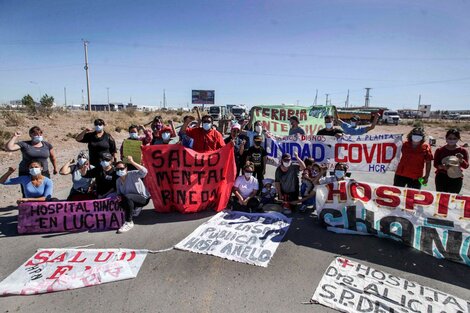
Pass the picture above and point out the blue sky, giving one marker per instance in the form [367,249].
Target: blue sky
[252,52]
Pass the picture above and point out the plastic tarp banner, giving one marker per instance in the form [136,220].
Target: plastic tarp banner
[435,223]
[349,286]
[50,270]
[243,237]
[183,180]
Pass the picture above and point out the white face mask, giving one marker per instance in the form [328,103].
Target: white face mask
[133,135]
[286,164]
[329,125]
[339,173]
[34,171]
[248,175]
[99,128]
[121,173]
[104,163]
[207,126]
[452,142]
[166,136]
[81,161]
[38,138]
[258,129]
[416,138]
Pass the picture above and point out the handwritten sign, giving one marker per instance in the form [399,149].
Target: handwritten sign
[132,148]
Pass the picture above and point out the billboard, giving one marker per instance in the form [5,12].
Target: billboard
[203,97]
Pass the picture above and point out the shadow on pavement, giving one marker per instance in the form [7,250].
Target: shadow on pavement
[9,221]
[149,216]
[306,230]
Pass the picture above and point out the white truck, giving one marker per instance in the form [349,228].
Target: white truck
[390,117]
[239,112]
[217,112]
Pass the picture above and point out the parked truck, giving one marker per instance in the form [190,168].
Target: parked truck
[218,112]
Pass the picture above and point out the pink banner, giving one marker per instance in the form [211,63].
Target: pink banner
[71,216]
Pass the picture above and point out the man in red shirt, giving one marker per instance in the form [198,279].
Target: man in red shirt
[206,138]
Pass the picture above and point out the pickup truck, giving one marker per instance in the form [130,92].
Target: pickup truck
[390,117]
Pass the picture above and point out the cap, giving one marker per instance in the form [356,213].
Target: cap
[236,126]
[286,156]
[294,118]
[106,156]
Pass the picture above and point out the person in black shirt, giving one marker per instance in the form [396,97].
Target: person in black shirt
[105,176]
[238,145]
[329,130]
[98,141]
[258,156]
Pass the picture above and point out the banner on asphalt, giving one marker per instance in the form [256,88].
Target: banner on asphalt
[243,237]
[183,180]
[71,216]
[275,118]
[349,286]
[50,270]
[364,153]
[433,222]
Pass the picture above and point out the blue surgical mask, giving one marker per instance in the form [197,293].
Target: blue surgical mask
[38,138]
[81,161]
[329,125]
[339,173]
[99,128]
[105,163]
[166,136]
[34,171]
[416,138]
[134,135]
[207,126]
[258,129]
[121,173]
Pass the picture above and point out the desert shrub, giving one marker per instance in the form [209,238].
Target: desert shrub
[5,135]
[129,112]
[12,118]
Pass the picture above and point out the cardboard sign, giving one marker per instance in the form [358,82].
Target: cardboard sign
[50,270]
[435,223]
[275,118]
[348,286]
[183,180]
[243,237]
[72,216]
[132,148]
[364,153]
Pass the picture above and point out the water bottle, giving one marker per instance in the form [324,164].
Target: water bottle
[421,181]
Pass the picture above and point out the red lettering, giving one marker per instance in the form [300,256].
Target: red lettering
[114,271]
[367,155]
[388,196]
[282,115]
[131,257]
[466,206]
[61,270]
[341,191]
[257,111]
[443,203]
[42,256]
[75,259]
[384,152]
[90,280]
[60,258]
[355,157]
[290,113]
[366,193]
[338,153]
[303,115]
[275,125]
[284,127]
[274,114]
[411,198]
[98,256]
[266,112]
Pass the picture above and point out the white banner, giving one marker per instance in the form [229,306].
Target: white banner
[243,237]
[51,270]
[436,223]
[364,153]
[348,286]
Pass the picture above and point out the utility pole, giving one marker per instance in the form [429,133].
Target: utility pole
[109,107]
[85,46]
[346,104]
[316,98]
[367,101]
[164,99]
[419,101]
[327,98]
[65,95]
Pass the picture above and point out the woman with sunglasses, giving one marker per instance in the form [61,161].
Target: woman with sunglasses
[99,141]
[131,191]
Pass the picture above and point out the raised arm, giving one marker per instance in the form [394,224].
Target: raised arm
[11,145]
[5,176]
[65,170]
[80,136]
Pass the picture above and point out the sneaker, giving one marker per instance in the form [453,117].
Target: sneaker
[137,211]
[286,211]
[125,227]
[303,208]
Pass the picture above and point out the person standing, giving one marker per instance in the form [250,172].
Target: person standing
[99,142]
[449,160]
[257,155]
[238,145]
[415,155]
[295,129]
[352,128]
[205,138]
[35,149]
[287,181]
[329,129]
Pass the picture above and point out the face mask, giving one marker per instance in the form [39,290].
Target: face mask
[257,143]
[38,138]
[104,163]
[416,138]
[264,190]
[258,129]
[166,136]
[207,126]
[99,128]
[452,142]
[158,126]
[121,173]
[133,135]
[329,125]
[339,173]
[286,164]
[353,124]
[248,175]
[35,171]
[81,161]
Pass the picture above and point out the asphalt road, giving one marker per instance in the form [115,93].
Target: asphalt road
[180,281]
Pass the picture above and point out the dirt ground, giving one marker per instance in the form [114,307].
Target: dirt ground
[60,129]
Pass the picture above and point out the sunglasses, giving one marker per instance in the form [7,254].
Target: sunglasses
[98,124]
[120,168]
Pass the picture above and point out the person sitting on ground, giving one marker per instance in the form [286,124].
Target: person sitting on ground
[159,128]
[245,190]
[35,149]
[307,182]
[308,194]
[105,177]
[36,186]
[258,156]
[82,187]
[206,138]
[99,141]
[329,129]
[295,129]
[131,191]
[340,174]
[352,128]
[268,193]
[287,181]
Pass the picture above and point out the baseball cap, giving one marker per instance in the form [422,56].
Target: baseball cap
[294,118]
[236,126]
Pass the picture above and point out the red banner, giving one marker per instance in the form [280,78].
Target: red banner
[181,179]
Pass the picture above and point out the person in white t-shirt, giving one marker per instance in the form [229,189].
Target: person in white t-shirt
[245,190]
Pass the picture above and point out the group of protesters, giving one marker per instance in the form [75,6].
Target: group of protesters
[96,173]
